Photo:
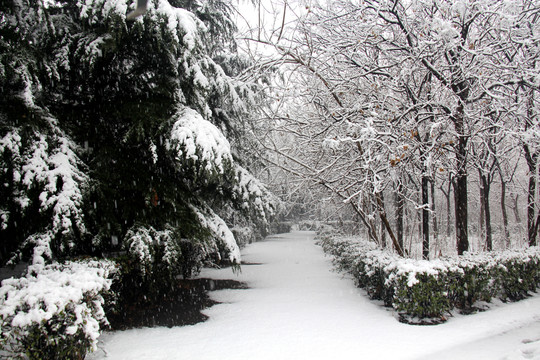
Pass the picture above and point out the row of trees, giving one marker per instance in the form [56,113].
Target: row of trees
[393,103]
[118,135]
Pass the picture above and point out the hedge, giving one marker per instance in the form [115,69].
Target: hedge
[425,292]
[55,311]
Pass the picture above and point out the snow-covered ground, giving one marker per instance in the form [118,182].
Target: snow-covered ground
[297,308]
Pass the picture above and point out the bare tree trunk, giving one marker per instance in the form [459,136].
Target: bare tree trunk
[460,184]
[532,159]
[515,208]
[487,213]
[446,193]
[425,217]
[481,218]
[384,219]
[382,225]
[399,204]
[531,226]
[504,214]
[369,226]
[434,212]
[531,196]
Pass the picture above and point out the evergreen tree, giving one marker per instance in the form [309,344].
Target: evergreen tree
[123,135]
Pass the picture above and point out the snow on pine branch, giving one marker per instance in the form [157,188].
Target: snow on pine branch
[220,231]
[57,170]
[183,25]
[46,163]
[198,140]
[253,194]
[92,10]
[141,242]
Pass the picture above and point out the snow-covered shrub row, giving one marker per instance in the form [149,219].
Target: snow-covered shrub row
[55,311]
[423,291]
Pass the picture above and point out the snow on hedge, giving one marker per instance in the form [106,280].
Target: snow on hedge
[196,139]
[57,307]
[422,290]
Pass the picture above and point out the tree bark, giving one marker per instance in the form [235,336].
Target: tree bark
[425,217]
[384,219]
[482,217]
[504,213]
[531,226]
[399,204]
[487,212]
[531,159]
[531,196]
[515,208]
[460,184]
[446,193]
[435,222]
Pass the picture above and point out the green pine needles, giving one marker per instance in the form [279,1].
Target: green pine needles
[110,129]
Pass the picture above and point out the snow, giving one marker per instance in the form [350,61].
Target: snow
[253,194]
[183,21]
[50,164]
[220,231]
[194,138]
[297,308]
[58,294]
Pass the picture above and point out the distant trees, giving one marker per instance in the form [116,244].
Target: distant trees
[398,96]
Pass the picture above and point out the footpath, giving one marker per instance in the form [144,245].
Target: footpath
[296,307]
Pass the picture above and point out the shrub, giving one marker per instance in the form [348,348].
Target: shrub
[424,291]
[55,311]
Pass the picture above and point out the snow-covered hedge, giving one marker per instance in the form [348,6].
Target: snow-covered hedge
[424,291]
[55,311]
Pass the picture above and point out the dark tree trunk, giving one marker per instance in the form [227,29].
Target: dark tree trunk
[399,204]
[460,199]
[435,222]
[531,226]
[460,184]
[369,226]
[446,193]
[531,196]
[487,213]
[482,216]
[504,213]
[382,225]
[384,219]
[425,217]
[532,159]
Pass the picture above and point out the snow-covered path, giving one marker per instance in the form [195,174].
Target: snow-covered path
[297,308]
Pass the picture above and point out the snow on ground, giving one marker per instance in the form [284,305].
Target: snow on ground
[297,308]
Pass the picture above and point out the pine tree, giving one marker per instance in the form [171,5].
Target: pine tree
[125,135]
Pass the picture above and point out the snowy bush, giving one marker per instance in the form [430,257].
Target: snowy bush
[423,291]
[55,311]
